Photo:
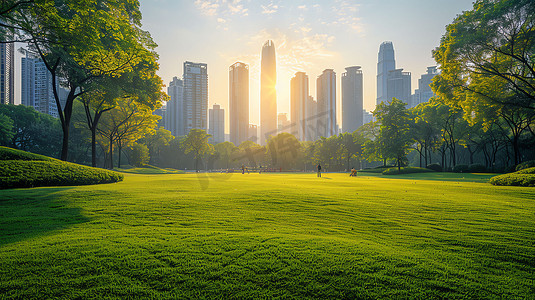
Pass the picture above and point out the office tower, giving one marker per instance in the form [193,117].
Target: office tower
[283,123]
[268,94]
[366,117]
[7,69]
[217,124]
[399,85]
[311,118]
[162,112]
[239,103]
[386,63]
[424,92]
[36,87]
[195,96]
[299,105]
[174,112]
[326,107]
[253,133]
[352,99]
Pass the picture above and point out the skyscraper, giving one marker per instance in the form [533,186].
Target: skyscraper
[312,111]
[239,103]
[299,102]
[195,96]
[7,69]
[36,87]
[399,85]
[326,107]
[268,94]
[352,99]
[386,63]
[423,93]
[217,124]
[174,113]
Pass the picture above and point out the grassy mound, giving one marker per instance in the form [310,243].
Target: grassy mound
[405,170]
[525,165]
[524,177]
[19,169]
[13,154]
[148,169]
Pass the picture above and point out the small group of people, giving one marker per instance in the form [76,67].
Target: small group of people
[353,173]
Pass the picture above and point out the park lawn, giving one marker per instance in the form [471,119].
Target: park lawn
[268,235]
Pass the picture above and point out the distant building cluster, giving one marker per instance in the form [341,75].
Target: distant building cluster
[308,119]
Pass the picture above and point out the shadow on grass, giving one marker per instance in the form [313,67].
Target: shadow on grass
[27,213]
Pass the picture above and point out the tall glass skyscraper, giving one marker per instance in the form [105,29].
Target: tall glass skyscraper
[268,94]
[385,63]
[195,96]
[299,102]
[326,105]
[174,114]
[239,103]
[352,99]
[7,69]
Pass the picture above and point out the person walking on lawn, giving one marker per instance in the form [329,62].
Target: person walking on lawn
[319,170]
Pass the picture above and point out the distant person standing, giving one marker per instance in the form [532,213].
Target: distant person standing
[319,170]
[242,169]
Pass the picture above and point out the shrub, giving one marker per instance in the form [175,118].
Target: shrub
[477,168]
[461,169]
[22,173]
[139,155]
[514,179]
[13,154]
[406,170]
[525,165]
[435,167]
[526,171]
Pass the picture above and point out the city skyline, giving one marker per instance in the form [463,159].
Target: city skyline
[310,36]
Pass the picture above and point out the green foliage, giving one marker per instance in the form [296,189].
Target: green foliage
[13,154]
[196,142]
[477,168]
[19,169]
[6,129]
[256,236]
[461,169]
[139,155]
[514,179]
[525,165]
[283,150]
[405,170]
[526,171]
[435,167]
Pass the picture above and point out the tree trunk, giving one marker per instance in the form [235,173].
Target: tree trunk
[111,154]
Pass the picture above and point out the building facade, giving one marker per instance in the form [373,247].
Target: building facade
[268,93]
[386,62]
[217,124]
[239,103]
[253,133]
[399,85]
[195,96]
[7,73]
[352,99]
[299,106]
[174,112]
[326,125]
[423,93]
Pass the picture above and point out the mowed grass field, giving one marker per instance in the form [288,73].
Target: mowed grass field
[270,235]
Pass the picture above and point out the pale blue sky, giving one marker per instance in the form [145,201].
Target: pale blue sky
[309,35]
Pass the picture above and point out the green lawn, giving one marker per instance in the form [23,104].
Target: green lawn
[270,235]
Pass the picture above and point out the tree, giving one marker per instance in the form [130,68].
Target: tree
[224,152]
[139,155]
[6,129]
[351,144]
[80,42]
[196,142]
[283,150]
[394,134]
[156,141]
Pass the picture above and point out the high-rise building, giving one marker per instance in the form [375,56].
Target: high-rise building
[239,103]
[352,99]
[195,96]
[217,124]
[36,87]
[7,69]
[399,85]
[299,106]
[283,124]
[385,63]
[423,93]
[268,94]
[326,107]
[174,112]
[311,118]
[366,117]
[253,133]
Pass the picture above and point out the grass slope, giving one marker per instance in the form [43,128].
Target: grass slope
[269,235]
[20,169]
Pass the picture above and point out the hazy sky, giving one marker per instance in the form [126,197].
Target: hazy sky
[310,36]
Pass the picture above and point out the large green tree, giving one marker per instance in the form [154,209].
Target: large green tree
[196,142]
